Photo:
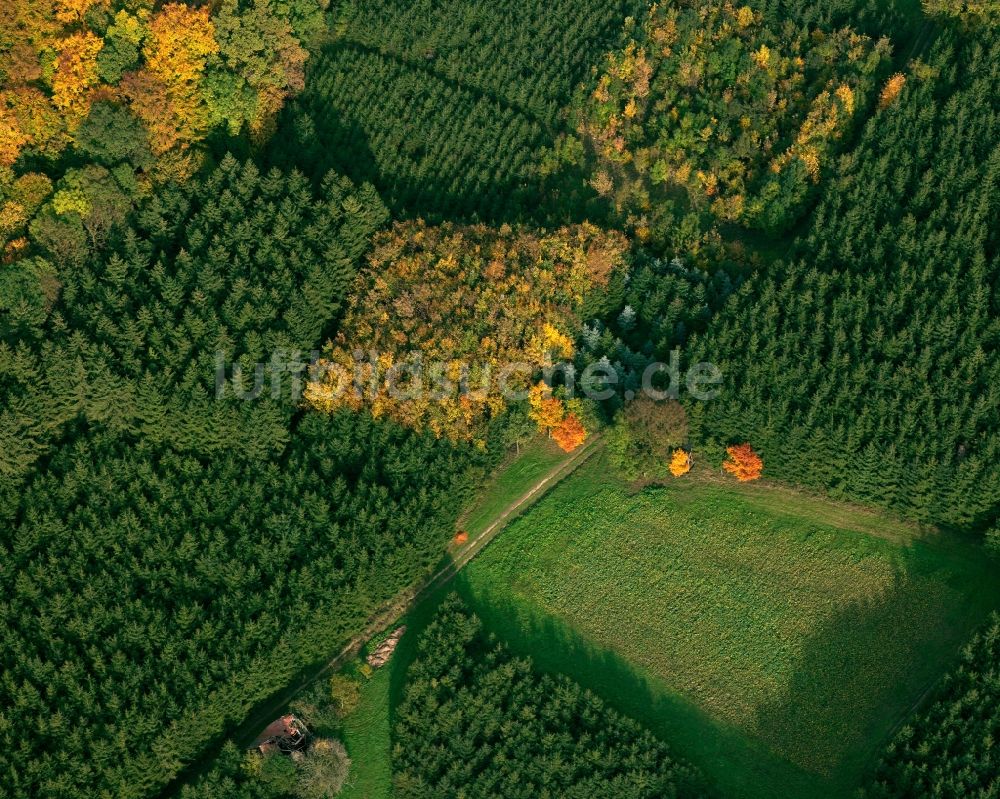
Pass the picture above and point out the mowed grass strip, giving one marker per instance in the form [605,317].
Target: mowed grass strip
[368,742]
[765,610]
[512,480]
[367,732]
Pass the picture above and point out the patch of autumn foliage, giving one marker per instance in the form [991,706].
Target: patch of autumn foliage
[456,305]
[570,433]
[460,538]
[545,410]
[967,10]
[167,95]
[743,463]
[556,417]
[179,70]
[680,463]
[711,99]
[75,74]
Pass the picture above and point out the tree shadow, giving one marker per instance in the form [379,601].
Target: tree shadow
[863,671]
[315,142]
[856,675]
[427,164]
[728,759]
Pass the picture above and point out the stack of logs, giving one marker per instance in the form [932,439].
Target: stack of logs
[380,655]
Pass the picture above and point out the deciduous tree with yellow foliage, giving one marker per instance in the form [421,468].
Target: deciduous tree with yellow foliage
[545,410]
[892,89]
[75,75]
[167,95]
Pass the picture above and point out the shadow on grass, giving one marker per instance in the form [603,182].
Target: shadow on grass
[724,754]
[856,676]
[860,674]
[416,620]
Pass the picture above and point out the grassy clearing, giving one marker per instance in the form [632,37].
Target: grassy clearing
[512,480]
[366,736]
[791,503]
[774,638]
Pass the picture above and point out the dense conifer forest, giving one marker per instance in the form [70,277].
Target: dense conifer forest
[448,119]
[477,722]
[861,360]
[205,205]
[160,529]
[948,749]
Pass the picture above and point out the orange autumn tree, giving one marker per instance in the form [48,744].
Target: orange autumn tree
[570,433]
[167,95]
[680,463]
[743,463]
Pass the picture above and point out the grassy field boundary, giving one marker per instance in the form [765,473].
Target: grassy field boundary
[478,541]
[767,494]
[516,485]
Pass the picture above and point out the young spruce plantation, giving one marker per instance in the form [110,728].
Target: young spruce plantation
[701,498]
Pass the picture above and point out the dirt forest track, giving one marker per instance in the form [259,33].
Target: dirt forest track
[245,733]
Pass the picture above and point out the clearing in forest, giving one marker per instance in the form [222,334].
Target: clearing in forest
[772,638]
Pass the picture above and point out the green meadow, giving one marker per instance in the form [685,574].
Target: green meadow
[775,639]
[367,732]
[513,480]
